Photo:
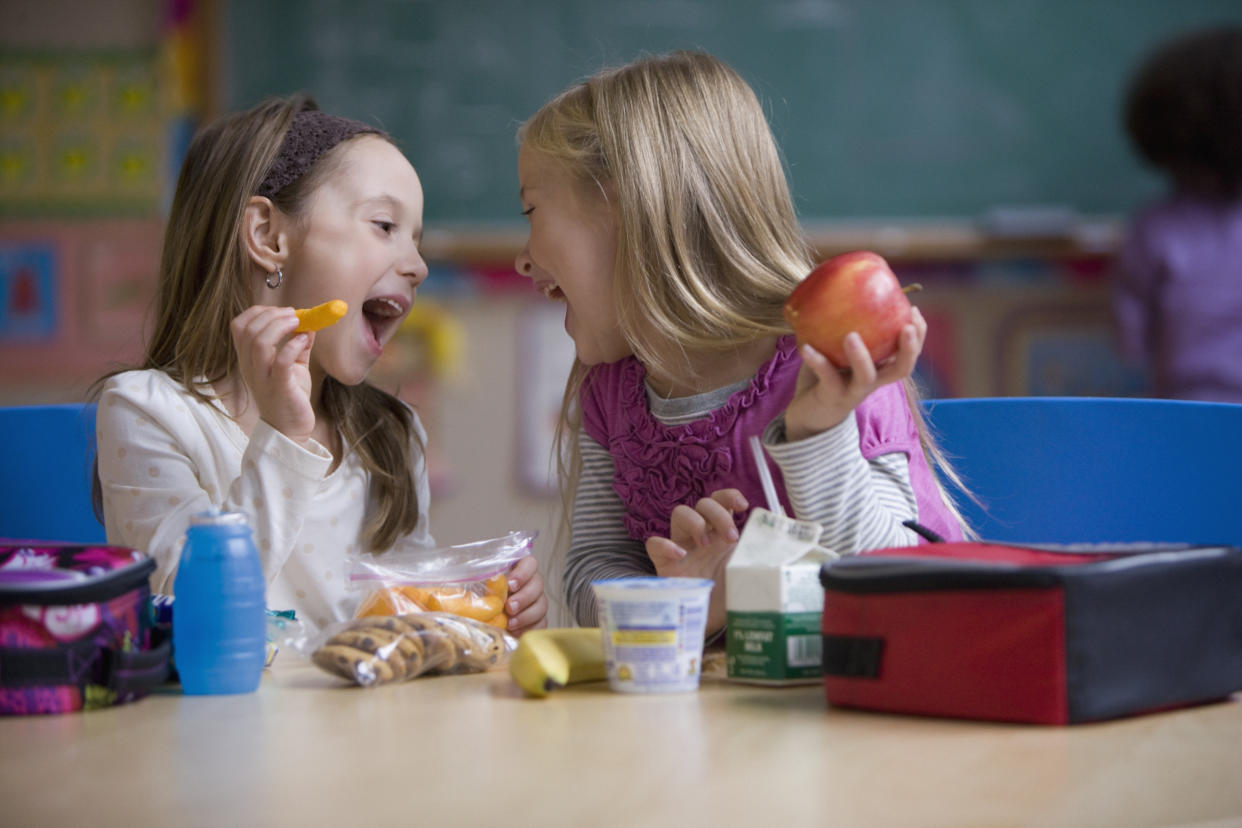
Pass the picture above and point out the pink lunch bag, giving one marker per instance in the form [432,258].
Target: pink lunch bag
[76,627]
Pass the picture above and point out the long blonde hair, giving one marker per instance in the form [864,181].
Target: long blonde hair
[204,282]
[709,244]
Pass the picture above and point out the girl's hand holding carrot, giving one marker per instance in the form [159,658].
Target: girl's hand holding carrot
[274,363]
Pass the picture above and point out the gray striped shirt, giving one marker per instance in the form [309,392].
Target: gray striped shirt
[861,504]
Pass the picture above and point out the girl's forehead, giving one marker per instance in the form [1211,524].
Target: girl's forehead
[370,165]
[542,173]
[370,153]
[535,164]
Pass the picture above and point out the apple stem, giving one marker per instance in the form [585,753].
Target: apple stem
[913,287]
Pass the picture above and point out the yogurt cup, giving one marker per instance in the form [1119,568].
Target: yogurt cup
[653,632]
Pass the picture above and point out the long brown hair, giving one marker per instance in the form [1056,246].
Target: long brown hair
[204,283]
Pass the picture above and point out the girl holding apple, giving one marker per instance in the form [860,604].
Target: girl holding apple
[660,216]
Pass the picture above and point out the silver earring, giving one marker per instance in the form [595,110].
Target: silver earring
[280,277]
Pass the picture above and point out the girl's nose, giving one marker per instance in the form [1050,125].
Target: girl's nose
[523,264]
[414,267]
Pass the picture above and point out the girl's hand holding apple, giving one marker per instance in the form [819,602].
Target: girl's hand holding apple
[826,394]
[857,332]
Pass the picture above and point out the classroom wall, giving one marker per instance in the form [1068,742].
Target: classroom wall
[496,478]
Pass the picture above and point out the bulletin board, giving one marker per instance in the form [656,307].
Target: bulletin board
[28,300]
[1064,349]
[83,133]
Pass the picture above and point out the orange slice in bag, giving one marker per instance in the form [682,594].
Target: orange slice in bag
[478,607]
[498,585]
[487,606]
[385,601]
[424,600]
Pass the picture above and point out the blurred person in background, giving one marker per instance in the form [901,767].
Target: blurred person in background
[1178,292]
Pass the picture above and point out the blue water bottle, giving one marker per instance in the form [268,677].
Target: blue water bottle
[219,627]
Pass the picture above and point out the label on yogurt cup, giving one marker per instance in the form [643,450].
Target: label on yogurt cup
[653,632]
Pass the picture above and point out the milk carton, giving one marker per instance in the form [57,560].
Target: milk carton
[775,602]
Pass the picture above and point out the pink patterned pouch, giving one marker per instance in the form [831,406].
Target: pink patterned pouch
[76,627]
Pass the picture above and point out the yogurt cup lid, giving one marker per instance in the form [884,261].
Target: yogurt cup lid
[652,582]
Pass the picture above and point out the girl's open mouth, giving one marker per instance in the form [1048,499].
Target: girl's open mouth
[384,314]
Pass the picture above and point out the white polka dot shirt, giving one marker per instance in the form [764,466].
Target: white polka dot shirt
[164,456]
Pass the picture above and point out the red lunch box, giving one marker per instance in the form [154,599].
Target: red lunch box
[1046,635]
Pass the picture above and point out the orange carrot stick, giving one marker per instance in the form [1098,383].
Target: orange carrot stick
[320,316]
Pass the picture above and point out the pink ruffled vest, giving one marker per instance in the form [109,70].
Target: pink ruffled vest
[659,467]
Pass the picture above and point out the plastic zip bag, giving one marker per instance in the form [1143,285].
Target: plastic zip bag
[385,649]
[470,580]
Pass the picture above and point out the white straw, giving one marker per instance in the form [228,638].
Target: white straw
[769,490]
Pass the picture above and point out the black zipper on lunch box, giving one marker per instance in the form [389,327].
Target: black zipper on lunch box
[101,587]
[893,573]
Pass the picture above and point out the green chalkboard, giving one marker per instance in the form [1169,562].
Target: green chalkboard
[883,108]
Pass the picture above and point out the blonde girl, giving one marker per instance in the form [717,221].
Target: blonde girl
[279,207]
[660,215]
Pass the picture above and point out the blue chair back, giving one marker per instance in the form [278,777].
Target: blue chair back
[1087,469]
[47,455]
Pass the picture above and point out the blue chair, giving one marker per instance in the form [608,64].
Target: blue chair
[47,455]
[1096,470]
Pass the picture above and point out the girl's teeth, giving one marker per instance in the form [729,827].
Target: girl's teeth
[383,306]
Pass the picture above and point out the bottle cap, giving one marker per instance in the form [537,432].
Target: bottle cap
[216,517]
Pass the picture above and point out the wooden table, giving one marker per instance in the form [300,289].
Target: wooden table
[306,750]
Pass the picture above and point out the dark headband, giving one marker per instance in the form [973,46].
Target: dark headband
[311,134]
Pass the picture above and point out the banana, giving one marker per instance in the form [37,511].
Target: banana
[320,316]
[551,658]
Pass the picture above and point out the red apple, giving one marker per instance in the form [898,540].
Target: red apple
[854,291]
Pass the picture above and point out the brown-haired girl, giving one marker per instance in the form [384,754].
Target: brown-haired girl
[276,208]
